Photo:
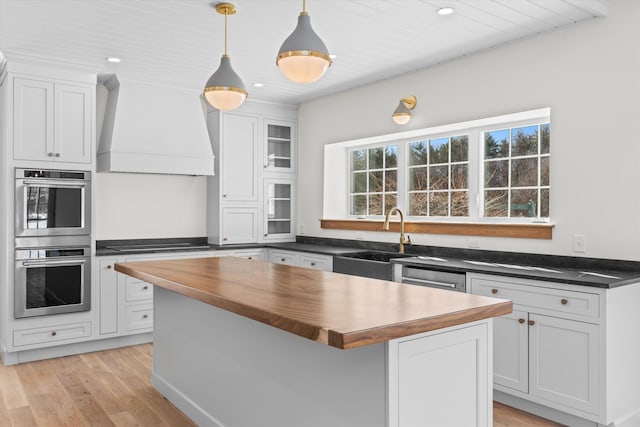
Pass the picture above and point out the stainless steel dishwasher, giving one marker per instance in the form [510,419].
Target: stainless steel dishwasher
[422,276]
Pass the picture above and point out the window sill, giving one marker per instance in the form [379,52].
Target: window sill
[524,231]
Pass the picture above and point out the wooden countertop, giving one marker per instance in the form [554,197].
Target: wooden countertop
[334,309]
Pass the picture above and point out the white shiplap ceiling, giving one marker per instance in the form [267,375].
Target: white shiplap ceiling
[179,42]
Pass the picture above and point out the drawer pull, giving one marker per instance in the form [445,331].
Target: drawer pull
[144,288]
[249,257]
[109,267]
[313,264]
[520,320]
[145,316]
[564,301]
[531,323]
[54,333]
[494,291]
[225,239]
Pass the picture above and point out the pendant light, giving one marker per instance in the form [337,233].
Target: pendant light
[303,57]
[224,89]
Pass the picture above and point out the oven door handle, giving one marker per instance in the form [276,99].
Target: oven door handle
[50,183]
[40,263]
[408,280]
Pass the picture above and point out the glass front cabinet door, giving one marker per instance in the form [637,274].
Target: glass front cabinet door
[279,202]
[280,146]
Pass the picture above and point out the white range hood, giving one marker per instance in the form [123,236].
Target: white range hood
[154,129]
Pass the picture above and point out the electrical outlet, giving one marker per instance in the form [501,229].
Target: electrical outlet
[579,243]
[474,243]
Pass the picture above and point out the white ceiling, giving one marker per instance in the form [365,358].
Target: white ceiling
[179,42]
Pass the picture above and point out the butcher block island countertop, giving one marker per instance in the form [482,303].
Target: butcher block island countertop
[334,309]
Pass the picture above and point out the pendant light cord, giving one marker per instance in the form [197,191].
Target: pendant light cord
[304,6]
[225,33]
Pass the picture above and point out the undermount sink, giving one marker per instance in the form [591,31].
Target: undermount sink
[373,264]
[376,256]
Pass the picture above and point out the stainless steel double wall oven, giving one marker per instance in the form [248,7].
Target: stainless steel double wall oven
[52,242]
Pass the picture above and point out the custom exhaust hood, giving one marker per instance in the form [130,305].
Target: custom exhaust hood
[153,129]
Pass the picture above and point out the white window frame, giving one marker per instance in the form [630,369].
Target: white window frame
[336,204]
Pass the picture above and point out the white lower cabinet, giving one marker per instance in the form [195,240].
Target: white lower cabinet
[258,254]
[511,358]
[51,334]
[548,349]
[563,362]
[126,303]
[239,225]
[301,259]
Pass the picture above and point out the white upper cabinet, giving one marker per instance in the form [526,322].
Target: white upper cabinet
[239,158]
[279,209]
[280,146]
[52,121]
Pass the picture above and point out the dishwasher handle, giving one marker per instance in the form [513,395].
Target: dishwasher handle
[414,281]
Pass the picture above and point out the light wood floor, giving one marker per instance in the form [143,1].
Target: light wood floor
[111,388]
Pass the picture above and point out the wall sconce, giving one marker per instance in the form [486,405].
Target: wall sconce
[402,114]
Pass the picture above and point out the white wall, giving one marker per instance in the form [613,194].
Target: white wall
[137,206]
[587,73]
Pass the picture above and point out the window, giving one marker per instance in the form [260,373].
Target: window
[438,177]
[487,170]
[374,180]
[516,172]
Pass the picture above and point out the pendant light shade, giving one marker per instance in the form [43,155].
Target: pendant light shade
[303,57]
[224,89]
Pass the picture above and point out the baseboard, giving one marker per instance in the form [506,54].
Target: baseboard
[542,411]
[12,358]
[186,405]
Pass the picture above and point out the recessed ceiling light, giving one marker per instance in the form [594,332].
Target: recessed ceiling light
[258,84]
[113,59]
[443,11]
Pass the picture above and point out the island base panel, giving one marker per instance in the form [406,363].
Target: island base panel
[222,369]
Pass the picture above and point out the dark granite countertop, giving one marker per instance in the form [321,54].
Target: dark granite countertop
[595,276]
[602,273]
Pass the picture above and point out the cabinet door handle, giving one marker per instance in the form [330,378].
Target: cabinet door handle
[224,195]
[531,323]
[145,316]
[144,288]
[266,234]
[54,333]
[249,257]
[283,259]
[521,320]
[57,154]
[564,301]
[494,291]
[109,267]
[225,239]
[50,154]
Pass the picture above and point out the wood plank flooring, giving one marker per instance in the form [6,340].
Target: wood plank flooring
[112,388]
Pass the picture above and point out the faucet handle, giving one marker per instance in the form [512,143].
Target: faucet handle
[407,240]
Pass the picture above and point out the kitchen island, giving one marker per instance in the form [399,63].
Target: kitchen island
[248,343]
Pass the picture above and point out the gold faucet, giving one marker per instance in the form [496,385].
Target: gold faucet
[403,240]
